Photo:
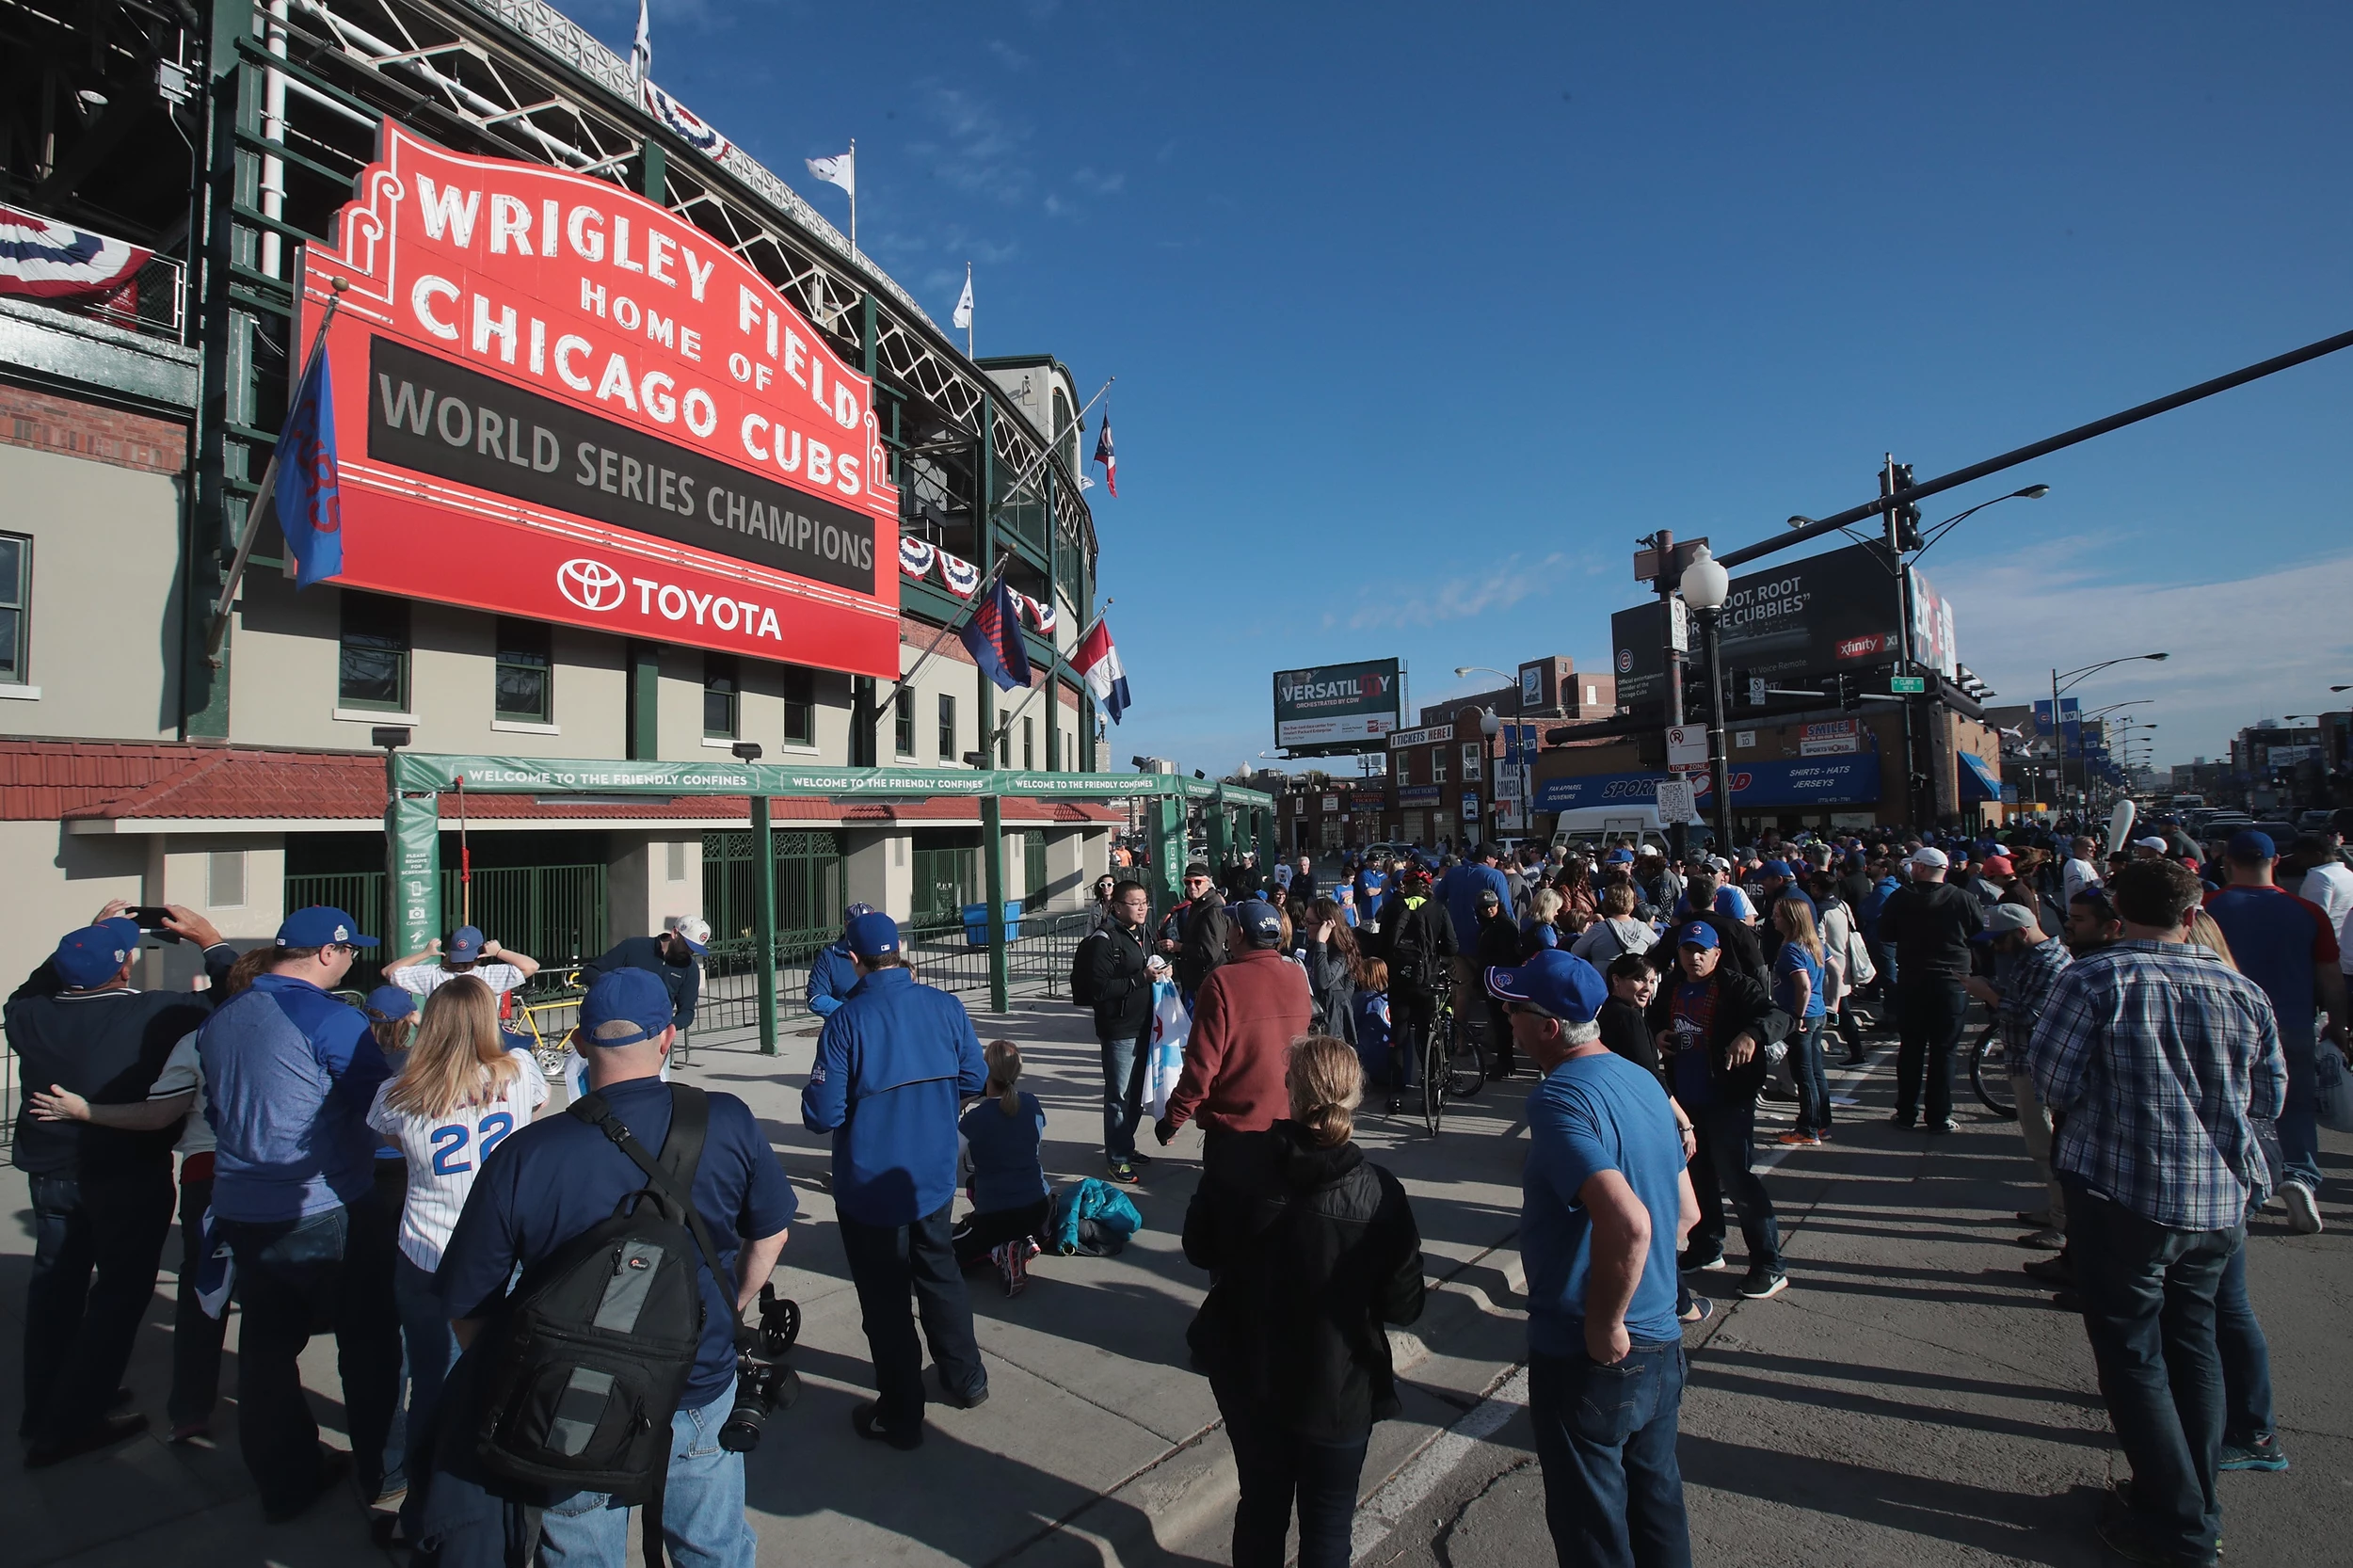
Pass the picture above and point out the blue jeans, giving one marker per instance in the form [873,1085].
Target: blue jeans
[1806,1071]
[703,1506]
[432,1349]
[2299,1124]
[1125,1063]
[2149,1298]
[2246,1357]
[1279,1468]
[295,1278]
[1606,1436]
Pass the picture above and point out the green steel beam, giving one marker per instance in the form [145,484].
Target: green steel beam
[764,919]
[993,849]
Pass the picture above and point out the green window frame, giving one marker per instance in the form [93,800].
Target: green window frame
[16,608]
[947,727]
[523,672]
[903,723]
[800,706]
[372,654]
[722,697]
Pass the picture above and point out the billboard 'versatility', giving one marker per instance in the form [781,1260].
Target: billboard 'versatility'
[1337,705]
[559,400]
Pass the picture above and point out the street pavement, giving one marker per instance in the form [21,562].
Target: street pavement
[1910,1400]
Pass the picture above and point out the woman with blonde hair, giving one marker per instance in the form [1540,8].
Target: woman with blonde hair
[1311,1251]
[1798,980]
[461,1090]
[1011,1206]
[1544,907]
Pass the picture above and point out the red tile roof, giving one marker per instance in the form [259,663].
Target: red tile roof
[54,780]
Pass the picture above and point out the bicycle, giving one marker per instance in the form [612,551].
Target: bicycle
[1444,1075]
[1990,1061]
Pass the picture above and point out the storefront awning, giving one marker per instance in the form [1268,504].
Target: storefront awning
[1979,781]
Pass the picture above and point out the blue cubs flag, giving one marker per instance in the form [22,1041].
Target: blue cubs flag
[308,502]
[994,636]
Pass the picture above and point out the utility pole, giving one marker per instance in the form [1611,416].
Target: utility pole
[1668,607]
[1893,477]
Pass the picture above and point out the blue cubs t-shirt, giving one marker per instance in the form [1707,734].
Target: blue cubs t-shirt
[550,1181]
[1594,1114]
[1791,962]
[1006,1173]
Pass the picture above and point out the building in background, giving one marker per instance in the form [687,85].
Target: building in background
[199,158]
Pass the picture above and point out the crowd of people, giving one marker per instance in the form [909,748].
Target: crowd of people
[540,1318]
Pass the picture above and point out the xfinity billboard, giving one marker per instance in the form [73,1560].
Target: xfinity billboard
[1338,708]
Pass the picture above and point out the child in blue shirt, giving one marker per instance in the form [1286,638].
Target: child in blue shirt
[1011,1204]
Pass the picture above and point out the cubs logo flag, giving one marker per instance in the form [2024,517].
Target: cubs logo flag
[306,496]
[993,635]
[1103,453]
[1098,666]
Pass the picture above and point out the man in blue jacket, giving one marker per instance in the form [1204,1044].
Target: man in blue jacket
[893,1063]
[289,1074]
[833,975]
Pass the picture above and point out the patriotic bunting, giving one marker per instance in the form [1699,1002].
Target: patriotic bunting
[49,259]
[962,576]
[916,556]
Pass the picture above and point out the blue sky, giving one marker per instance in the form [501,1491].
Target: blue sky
[1421,315]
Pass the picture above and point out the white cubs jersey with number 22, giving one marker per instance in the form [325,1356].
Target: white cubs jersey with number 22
[444,1152]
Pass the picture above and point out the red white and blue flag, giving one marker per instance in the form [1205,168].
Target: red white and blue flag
[307,495]
[44,259]
[1103,453]
[1098,666]
[993,637]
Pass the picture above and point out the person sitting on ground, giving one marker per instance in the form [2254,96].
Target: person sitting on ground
[1011,1204]
[467,952]
[833,973]
[1311,1250]
[463,1088]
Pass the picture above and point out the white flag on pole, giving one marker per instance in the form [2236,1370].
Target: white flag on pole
[841,170]
[964,302]
[641,48]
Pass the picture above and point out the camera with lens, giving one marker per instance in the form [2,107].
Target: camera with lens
[763,1383]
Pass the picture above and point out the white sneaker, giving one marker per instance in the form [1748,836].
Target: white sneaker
[2303,1208]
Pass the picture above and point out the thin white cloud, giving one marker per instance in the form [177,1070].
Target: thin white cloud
[1462,597]
[2241,648]
[1095,183]
[1012,58]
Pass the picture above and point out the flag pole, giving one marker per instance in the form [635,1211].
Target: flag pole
[217,626]
[968,314]
[854,200]
[988,581]
[1047,451]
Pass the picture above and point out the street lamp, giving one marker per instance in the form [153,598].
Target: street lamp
[1489,724]
[1706,587]
[2062,681]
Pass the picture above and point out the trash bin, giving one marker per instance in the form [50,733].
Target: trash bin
[976,923]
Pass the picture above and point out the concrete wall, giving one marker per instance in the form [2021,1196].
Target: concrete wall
[105,625]
[650,878]
[55,882]
[880,870]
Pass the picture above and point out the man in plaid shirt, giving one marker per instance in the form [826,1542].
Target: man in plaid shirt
[2157,1052]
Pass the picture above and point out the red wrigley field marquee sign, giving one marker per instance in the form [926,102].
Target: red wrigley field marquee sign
[557,399]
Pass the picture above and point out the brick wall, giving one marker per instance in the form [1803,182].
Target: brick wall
[47,423]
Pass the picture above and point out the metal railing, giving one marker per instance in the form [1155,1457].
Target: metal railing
[154,303]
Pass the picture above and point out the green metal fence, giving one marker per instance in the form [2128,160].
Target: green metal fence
[556,914]
[945,881]
[810,878]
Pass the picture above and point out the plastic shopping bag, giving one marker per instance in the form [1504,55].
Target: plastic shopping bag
[2332,1088]
[1171,1024]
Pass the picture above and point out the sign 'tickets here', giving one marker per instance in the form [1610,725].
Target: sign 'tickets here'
[557,399]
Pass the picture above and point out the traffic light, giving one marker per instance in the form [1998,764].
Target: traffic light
[1907,516]
[1841,688]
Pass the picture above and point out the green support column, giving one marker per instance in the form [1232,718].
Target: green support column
[643,701]
[412,844]
[1168,853]
[1262,830]
[764,919]
[993,848]
[655,182]
[1219,834]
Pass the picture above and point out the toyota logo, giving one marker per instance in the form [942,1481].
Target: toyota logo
[590,584]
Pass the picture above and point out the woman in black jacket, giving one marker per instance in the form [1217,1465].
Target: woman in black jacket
[1333,966]
[1311,1250]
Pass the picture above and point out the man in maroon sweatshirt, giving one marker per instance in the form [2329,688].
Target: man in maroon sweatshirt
[1249,1010]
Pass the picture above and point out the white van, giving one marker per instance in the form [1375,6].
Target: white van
[1631,823]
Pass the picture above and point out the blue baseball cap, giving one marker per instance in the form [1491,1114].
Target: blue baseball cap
[319,926]
[1777,868]
[93,956]
[854,911]
[388,1003]
[1699,934]
[625,1007]
[1554,982]
[2250,843]
[872,934]
[1258,921]
[125,927]
[464,945]
[1619,856]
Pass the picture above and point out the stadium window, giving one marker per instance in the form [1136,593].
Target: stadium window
[371,665]
[16,601]
[903,724]
[1029,744]
[800,706]
[522,675]
[947,727]
[722,697]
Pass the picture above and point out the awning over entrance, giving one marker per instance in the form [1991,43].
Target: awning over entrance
[1979,781]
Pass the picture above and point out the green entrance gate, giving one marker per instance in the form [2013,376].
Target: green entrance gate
[414,782]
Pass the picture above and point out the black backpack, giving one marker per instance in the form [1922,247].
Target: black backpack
[1082,992]
[1413,967]
[595,1347]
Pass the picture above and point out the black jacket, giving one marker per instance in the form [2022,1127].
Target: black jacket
[1742,1007]
[682,981]
[1200,929]
[1313,1249]
[1333,989]
[1627,1031]
[1426,935]
[1122,992]
[1739,942]
[1498,943]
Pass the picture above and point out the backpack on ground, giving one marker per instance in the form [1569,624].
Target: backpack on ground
[1082,991]
[596,1346]
[1094,1219]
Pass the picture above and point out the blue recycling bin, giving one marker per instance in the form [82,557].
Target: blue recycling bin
[976,923]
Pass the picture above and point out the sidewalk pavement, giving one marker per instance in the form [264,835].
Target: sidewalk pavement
[1097,1444]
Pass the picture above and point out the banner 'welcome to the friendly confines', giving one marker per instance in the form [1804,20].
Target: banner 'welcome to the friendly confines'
[557,399]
